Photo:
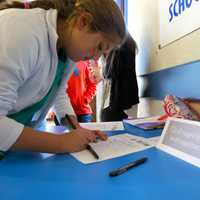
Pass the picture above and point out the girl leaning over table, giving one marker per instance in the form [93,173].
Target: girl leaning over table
[40,41]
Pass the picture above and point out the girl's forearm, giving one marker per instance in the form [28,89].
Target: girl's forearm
[32,140]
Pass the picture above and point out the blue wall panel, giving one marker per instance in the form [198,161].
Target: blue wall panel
[183,81]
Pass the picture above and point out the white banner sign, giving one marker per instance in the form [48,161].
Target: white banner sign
[178,18]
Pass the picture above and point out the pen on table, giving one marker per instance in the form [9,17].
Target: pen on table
[89,148]
[125,168]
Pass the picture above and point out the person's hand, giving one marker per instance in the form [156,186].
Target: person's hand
[101,135]
[78,139]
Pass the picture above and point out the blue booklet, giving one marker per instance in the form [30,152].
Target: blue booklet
[150,125]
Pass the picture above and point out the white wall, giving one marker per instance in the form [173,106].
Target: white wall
[143,24]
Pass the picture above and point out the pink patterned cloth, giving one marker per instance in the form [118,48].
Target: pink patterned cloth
[177,107]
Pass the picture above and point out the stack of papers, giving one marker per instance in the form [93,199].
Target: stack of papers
[103,126]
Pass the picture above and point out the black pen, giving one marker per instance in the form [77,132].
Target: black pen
[125,168]
[92,151]
[70,121]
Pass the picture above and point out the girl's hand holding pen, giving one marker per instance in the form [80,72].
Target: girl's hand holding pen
[78,139]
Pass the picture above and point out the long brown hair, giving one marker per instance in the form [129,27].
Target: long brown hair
[106,15]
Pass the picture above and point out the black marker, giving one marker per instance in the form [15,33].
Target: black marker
[70,121]
[92,151]
[127,167]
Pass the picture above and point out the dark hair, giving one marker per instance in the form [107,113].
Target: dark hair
[121,58]
[106,16]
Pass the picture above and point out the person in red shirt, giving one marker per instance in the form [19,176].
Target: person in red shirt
[82,87]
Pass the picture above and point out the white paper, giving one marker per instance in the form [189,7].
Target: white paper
[115,146]
[103,126]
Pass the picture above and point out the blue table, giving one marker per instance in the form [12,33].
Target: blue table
[36,176]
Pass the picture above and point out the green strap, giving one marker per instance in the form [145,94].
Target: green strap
[2,155]
[25,116]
